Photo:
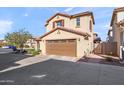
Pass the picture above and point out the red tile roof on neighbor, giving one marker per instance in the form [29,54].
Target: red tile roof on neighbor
[67,30]
[120,9]
[37,38]
[72,16]
[2,41]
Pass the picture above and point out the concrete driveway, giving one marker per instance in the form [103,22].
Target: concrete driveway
[58,72]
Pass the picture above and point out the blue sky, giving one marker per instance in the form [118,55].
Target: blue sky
[33,19]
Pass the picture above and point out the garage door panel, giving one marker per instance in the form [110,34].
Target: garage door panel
[59,47]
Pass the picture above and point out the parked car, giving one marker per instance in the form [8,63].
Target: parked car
[7,47]
[13,48]
[10,47]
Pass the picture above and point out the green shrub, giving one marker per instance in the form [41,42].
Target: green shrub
[33,52]
[39,50]
[30,51]
[26,46]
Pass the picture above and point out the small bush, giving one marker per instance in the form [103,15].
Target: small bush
[26,46]
[39,50]
[34,53]
[29,51]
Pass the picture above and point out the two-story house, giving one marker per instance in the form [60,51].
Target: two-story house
[68,35]
[116,33]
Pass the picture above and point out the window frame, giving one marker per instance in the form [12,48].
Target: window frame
[59,23]
[90,25]
[78,22]
[56,25]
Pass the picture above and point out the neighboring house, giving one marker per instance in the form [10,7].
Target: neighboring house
[37,43]
[95,35]
[30,43]
[96,40]
[3,42]
[68,35]
[33,43]
[116,33]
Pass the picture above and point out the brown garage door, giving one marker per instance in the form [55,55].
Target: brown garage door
[61,47]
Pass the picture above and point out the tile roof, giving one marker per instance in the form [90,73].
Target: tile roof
[114,13]
[67,30]
[72,16]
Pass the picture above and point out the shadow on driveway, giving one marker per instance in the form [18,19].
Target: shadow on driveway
[8,59]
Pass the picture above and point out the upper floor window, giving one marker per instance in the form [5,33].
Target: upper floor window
[90,25]
[59,23]
[78,21]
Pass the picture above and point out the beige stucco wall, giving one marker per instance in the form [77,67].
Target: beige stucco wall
[84,25]
[82,45]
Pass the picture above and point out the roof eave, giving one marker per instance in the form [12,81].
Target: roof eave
[82,34]
[84,14]
[72,16]
[66,15]
[114,13]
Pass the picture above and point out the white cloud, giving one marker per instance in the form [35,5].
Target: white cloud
[26,14]
[69,9]
[5,26]
[54,10]
[106,26]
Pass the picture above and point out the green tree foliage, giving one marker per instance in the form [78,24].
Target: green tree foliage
[18,38]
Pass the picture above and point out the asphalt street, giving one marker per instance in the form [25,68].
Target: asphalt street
[3,51]
[8,58]
[56,72]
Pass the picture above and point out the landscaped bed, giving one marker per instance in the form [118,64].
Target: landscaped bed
[109,60]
